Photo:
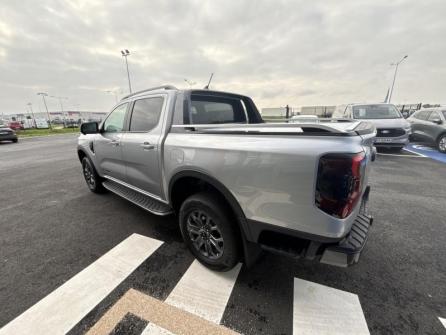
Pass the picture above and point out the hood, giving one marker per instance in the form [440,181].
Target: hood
[389,123]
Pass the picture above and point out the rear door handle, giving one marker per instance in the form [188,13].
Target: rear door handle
[147,146]
[114,143]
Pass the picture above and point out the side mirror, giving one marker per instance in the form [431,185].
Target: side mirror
[89,128]
[437,121]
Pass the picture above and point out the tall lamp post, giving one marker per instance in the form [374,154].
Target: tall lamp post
[46,107]
[125,53]
[394,75]
[32,113]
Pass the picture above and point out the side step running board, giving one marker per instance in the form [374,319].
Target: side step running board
[149,204]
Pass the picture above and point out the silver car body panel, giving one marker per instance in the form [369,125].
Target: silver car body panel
[272,177]
[270,169]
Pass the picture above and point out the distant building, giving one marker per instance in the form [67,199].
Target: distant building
[279,112]
[320,111]
[82,116]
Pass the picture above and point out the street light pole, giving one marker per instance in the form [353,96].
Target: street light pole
[125,53]
[46,107]
[32,112]
[394,75]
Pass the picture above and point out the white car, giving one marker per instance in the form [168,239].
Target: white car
[392,129]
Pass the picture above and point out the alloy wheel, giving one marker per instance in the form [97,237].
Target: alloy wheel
[89,176]
[205,234]
[442,144]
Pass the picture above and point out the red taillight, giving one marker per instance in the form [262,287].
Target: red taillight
[339,183]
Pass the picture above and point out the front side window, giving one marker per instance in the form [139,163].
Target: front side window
[146,114]
[379,111]
[216,110]
[115,121]
[444,114]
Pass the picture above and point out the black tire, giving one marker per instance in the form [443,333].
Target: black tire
[15,140]
[441,143]
[93,180]
[205,217]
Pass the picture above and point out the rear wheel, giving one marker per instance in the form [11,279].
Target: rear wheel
[441,143]
[93,180]
[209,232]
[15,140]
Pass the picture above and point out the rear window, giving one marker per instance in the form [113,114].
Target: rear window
[216,110]
[377,111]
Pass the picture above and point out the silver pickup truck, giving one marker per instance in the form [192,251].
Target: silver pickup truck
[237,185]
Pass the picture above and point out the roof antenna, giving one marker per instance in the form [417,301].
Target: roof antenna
[207,86]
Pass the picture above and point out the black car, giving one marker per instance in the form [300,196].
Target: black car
[7,134]
[429,126]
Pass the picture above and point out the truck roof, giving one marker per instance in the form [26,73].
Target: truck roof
[173,88]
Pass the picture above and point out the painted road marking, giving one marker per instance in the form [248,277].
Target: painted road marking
[202,292]
[173,320]
[63,308]
[319,309]
[414,152]
[443,321]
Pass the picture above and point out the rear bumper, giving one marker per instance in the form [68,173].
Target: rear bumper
[339,252]
[347,252]
[9,137]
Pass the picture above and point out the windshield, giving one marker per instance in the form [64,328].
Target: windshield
[383,111]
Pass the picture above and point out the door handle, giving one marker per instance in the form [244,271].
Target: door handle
[147,146]
[114,143]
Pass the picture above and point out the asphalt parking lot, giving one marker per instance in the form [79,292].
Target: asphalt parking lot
[52,228]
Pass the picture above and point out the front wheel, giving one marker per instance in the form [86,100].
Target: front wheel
[209,232]
[441,143]
[93,180]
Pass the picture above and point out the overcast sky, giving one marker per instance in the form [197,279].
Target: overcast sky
[278,52]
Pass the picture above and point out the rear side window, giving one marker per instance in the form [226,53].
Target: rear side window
[216,110]
[434,117]
[422,115]
[146,114]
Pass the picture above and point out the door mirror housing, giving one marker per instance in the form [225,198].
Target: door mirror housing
[89,128]
[437,121]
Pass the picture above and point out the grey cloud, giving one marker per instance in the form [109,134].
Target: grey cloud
[279,52]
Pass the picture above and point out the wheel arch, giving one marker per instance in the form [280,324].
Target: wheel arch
[81,154]
[198,180]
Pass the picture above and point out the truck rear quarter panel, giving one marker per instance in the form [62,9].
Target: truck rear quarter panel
[272,177]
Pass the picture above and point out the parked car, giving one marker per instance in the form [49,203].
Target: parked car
[42,124]
[392,129]
[7,134]
[429,125]
[237,185]
[15,125]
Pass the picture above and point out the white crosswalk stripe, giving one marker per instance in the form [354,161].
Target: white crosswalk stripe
[319,309]
[59,311]
[202,292]
[443,321]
